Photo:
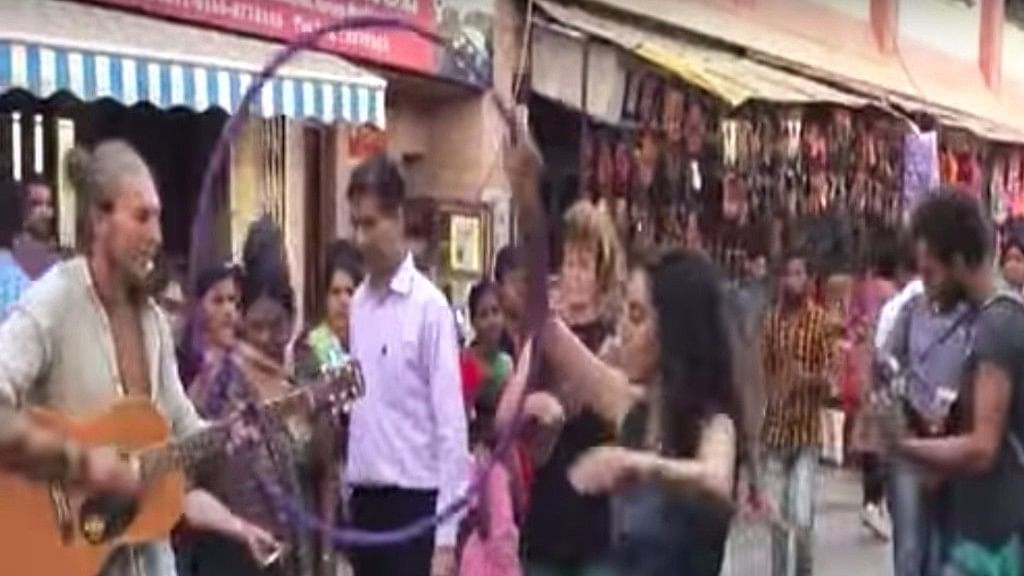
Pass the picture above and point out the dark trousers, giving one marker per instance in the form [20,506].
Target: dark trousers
[378,509]
[873,478]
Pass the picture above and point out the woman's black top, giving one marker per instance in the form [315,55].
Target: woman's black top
[564,529]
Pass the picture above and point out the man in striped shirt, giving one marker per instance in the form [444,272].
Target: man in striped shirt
[796,349]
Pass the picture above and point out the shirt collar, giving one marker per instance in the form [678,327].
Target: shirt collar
[402,281]
[81,263]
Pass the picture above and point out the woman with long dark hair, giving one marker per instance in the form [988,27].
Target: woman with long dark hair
[672,404]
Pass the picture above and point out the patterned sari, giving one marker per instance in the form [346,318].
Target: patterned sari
[242,480]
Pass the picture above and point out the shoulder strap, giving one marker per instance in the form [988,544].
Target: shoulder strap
[969,316]
[905,322]
[966,318]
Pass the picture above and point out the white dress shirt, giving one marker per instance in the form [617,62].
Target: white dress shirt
[409,430]
[891,311]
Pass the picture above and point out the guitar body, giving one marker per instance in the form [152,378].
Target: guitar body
[36,539]
[47,531]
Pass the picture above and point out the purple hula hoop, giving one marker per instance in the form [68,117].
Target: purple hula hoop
[211,197]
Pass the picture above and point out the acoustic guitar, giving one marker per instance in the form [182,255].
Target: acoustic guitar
[50,530]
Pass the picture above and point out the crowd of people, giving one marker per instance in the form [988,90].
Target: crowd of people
[625,434]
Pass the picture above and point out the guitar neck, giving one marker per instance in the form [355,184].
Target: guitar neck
[187,453]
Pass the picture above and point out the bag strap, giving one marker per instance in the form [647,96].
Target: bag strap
[968,317]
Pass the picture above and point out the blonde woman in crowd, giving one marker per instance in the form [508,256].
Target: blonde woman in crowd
[567,533]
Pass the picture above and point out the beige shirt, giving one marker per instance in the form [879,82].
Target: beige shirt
[57,350]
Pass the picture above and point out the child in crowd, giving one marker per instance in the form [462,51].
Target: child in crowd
[484,358]
[491,547]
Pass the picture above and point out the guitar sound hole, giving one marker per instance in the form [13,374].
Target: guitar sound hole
[104,518]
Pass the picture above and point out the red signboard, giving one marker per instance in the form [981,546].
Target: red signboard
[466,24]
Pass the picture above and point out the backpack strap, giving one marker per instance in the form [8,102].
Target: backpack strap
[969,317]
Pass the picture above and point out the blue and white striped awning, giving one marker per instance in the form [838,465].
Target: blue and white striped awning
[130,78]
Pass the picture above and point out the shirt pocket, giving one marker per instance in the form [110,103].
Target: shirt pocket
[409,346]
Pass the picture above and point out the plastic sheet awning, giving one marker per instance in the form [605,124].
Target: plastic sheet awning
[702,44]
[48,47]
[725,73]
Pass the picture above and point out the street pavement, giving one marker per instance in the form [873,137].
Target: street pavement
[843,546]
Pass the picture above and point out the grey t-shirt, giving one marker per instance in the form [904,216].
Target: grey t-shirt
[933,347]
[988,508]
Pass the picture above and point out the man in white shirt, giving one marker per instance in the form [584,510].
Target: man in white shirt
[891,311]
[408,454]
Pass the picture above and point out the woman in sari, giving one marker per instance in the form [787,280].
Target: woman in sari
[210,332]
[211,328]
[251,480]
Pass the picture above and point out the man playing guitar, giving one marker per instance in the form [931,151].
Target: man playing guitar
[87,335]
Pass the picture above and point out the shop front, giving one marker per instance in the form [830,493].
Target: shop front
[438,124]
[688,141]
[691,144]
[73,74]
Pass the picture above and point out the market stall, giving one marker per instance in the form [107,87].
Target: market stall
[687,143]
